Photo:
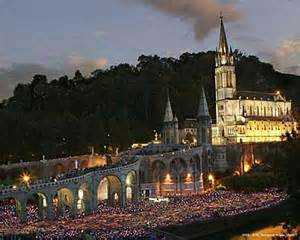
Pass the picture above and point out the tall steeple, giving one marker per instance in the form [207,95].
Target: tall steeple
[223,45]
[204,121]
[225,79]
[203,108]
[168,112]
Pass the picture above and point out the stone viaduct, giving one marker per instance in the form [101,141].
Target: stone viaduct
[53,167]
[81,191]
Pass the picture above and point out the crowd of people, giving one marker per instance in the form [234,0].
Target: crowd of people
[139,219]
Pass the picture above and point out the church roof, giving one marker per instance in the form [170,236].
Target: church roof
[203,108]
[168,113]
[223,45]
[253,95]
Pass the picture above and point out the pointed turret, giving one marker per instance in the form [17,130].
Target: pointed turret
[204,121]
[223,45]
[203,108]
[170,134]
[168,113]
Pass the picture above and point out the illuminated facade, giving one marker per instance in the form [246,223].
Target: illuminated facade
[244,116]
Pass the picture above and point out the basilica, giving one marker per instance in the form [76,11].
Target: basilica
[241,116]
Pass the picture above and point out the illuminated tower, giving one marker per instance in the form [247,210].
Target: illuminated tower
[204,136]
[225,78]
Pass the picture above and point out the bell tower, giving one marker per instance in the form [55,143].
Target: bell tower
[225,78]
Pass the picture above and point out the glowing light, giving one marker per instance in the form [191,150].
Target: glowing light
[25,177]
[188,177]
[247,167]
[80,194]
[128,181]
[210,177]
[129,193]
[168,178]
[14,187]
[258,161]
[44,201]
[116,197]
[79,204]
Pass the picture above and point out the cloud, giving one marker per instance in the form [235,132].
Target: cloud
[13,74]
[86,66]
[21,73]
[202,14]
[287,56]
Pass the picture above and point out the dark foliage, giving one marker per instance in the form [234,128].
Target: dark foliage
[118,106]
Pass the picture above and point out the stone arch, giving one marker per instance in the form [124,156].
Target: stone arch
[130,185]
[37,204]
[15,211]
[65,203]
[110,188]
[159,170]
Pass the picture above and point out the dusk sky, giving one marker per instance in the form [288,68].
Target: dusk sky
[56,37]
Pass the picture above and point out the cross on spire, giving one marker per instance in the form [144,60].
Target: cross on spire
[223,45]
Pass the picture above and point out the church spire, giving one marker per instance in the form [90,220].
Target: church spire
[203,108]
[223,45]
[168,112]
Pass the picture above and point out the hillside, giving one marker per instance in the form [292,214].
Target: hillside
[120,105]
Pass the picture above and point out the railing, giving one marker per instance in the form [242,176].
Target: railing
[56,182]
[175,153]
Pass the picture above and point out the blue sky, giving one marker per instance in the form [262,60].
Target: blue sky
[59,36]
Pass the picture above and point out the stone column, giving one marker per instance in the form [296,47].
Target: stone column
[40,207]
[50,207]
[21,209]
[137,186]
[74,209]
[94,194]
[123,191]
[123,195]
